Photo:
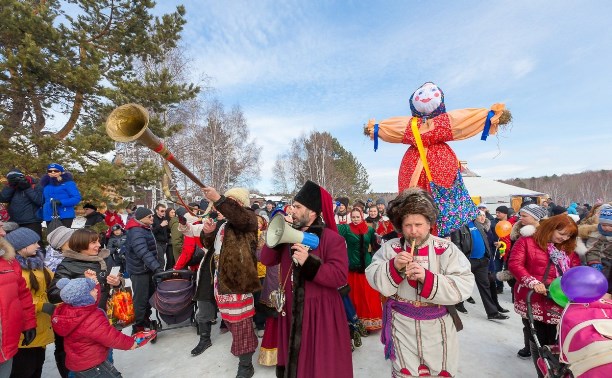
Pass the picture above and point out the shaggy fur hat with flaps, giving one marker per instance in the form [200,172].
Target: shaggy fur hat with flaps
[239,194]
[76,292]
[412,201]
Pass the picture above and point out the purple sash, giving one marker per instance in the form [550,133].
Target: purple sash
[408,310]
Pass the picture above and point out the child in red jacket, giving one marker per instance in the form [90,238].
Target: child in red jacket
[88,335]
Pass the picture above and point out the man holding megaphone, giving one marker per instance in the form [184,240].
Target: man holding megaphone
[313,338]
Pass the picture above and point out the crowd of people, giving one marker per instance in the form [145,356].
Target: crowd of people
[377,268]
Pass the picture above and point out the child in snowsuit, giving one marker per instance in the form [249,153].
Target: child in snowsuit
[88,336]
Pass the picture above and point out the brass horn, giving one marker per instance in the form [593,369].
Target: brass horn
[130,122]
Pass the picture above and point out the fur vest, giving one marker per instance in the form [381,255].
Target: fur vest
[237,269]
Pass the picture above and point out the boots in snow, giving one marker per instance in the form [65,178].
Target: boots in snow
[204,342]
[245,366]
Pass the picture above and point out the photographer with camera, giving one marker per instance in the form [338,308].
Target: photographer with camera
[24,198]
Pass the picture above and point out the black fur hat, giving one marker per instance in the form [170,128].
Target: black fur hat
[310,196]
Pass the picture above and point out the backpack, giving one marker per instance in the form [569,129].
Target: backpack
[585,338]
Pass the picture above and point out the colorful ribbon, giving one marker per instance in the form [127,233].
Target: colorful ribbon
[375,137]
[487,127]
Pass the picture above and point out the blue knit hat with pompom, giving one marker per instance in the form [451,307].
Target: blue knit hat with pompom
[76,292]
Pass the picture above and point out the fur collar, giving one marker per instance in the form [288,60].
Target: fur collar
[46,179]
[584,230]
[528,230]
[31,263]
[519,230]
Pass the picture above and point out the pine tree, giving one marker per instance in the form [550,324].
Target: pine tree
[73,62]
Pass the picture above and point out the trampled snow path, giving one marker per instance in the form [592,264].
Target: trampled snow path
[488,349]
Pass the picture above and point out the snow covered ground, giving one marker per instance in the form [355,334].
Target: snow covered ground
[488,349]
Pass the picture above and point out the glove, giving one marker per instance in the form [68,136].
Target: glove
[23,183]
[28,336]
[180,214]
[158,270]
[48,308]
[55,202]
[597,266]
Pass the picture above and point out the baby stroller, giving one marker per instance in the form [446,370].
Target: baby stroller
[548,360]
[173,300]
[585,338]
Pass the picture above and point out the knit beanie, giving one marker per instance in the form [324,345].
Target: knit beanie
[58,237]
[502,209]
[14,173]
[76,292]
[535,211]
[22,237]
[142,212]
[55,166]
[605,214]
[240,194]
[381,201]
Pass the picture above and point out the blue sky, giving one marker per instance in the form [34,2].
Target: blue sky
[297,66]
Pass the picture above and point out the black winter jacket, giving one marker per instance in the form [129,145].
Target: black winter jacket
[140,249]
[462,238]
[74,265]
[160,233]
[24,204]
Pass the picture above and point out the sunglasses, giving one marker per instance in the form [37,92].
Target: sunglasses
[52,171]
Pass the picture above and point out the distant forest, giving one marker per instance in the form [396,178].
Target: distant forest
[584,187]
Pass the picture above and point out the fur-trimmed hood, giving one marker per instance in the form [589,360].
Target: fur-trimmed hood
[585,230]
[7,248]
[519,230]
[46,179]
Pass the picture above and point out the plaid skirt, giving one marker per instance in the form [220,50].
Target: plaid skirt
[244,339]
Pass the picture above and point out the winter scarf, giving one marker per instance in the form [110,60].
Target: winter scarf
[360,229]
[601,231]
[104,253]
[559,258]
[29,264]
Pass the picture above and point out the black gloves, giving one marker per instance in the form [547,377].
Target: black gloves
[28,336]
[180,214]
[158,270]
[55,202]
[48,308]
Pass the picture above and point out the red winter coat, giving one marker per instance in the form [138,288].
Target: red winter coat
[16,307]
[528,262]
[189,245]
[88,335]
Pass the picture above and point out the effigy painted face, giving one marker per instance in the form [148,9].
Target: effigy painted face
[427,98]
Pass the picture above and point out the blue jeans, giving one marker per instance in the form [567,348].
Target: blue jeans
[104,370]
